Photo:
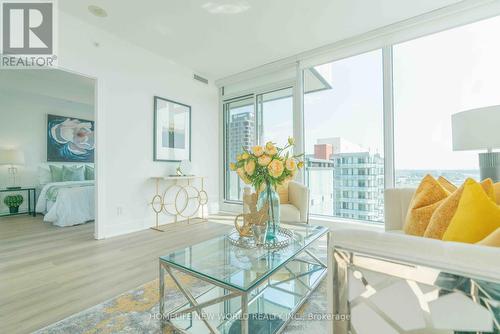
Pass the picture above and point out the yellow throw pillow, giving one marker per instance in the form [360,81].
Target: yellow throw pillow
[444,213]
[426,199]
[492,240]
[476,217]
[283,193]
[497,192]
[447,184]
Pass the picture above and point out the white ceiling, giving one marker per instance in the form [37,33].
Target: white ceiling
[54,84]
[218,38]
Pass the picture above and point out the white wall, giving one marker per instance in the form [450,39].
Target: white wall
[128,77]
[23,125]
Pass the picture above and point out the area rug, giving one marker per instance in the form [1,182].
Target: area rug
[136,311]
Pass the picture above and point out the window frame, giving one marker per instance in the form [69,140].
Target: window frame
[447,18]
[230,204]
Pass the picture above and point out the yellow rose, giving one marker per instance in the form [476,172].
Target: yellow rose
[232,166]
[238,157]
[291,164]
[244,156]
[275,168]
[270,149]
[250,167]
[264,160]
[291,141]
[257,150]
[300,164]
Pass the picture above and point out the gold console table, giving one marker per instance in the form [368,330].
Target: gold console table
[179,196]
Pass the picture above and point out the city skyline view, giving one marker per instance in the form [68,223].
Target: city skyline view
[350,108]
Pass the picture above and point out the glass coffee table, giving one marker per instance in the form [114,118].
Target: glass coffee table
[244,290]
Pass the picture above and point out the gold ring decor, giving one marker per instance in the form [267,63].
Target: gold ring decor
[188,199]
[171,211]
[183,190]
[155,202]
[202,197]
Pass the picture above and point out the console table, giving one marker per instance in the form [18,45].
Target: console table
[31,193]
[178,196]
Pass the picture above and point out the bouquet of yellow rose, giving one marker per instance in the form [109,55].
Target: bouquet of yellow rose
[267,166]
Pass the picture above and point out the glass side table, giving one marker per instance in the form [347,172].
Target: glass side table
[244,290]
[31,200]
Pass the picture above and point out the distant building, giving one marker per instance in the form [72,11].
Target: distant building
[241,133]
[323,151]
[341,145]
[319,178]
[359,186]
[345,180]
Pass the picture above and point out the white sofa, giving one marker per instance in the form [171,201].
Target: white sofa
[297,210]
[385,281]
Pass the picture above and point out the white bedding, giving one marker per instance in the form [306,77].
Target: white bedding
[74,203]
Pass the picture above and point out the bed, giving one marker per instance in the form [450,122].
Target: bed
[67,203]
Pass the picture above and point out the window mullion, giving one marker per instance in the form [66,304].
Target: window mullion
[389,173]
[298,117]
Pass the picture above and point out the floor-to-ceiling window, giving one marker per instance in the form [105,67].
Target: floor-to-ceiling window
[275,116]
[240,132]
[343,126]
[254,119]
[346,103]
[435,77]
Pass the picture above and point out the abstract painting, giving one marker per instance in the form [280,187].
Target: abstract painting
[172,126]
[70,139]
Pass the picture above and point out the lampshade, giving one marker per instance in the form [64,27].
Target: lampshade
[11,157]
[476,129]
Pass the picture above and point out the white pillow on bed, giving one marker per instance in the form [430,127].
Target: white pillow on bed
[44,175]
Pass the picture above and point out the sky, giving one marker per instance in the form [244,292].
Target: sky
[353,108]
[434,77]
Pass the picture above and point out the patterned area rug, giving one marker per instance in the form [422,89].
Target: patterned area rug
[135,312]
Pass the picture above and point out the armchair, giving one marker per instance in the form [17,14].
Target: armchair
[297,210]
[390,282]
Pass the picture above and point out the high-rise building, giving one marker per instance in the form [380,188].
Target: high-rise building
[241,133]
[341,145]
[319,178]
[359,186]
[323,151]
[345,180]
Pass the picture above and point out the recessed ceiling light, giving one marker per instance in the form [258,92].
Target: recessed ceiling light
[226,7]
[97,11]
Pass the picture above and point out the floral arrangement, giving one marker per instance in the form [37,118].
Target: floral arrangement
[267,166]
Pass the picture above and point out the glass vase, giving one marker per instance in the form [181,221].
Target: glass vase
[269,195]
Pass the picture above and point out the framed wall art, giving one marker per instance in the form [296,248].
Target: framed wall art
[172,130]
[70,139]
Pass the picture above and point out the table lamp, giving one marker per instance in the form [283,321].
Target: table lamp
[479,129]
[12,158]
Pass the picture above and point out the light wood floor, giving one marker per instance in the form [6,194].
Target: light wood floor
[48,273]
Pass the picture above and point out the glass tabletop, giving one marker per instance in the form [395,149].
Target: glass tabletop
[240,268]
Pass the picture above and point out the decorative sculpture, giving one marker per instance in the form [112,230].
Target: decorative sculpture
[254,217]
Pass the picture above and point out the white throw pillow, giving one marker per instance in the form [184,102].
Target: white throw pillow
[44,175]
